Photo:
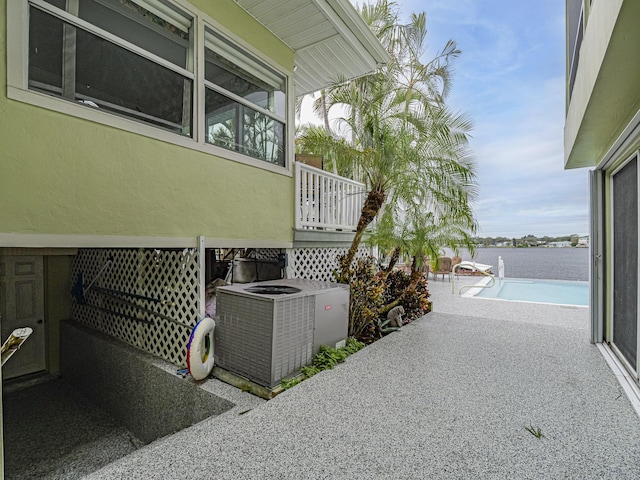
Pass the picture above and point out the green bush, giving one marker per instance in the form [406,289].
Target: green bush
[371,290]
[326,359]
[366,297]
[415,302]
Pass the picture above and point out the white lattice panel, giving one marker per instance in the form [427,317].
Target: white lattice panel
[160,319]
[266,254]
[318,263]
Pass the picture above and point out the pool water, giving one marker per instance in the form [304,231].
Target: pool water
[540,291]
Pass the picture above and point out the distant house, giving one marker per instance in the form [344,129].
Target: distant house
[560,244]
[602,131]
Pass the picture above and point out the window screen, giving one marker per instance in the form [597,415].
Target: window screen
[625,276]
[84,66]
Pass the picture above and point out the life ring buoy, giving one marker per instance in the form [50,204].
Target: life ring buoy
[200,349]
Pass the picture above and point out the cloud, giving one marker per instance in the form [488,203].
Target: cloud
[510,80]
[519,152]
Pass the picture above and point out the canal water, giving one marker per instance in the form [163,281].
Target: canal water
[542,263]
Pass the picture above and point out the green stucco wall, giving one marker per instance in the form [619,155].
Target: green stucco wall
[606,93]
[65,175]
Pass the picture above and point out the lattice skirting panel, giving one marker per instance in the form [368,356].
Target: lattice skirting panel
[265,254]
[146,297]
[318,263]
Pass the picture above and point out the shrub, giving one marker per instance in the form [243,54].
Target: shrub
[415,302]
[325,359]
[371,290]
[367,289]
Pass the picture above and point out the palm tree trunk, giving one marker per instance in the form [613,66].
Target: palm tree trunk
[327,127]
[385,308]
[325,111]
[395,256]
[372,204]
[416,275]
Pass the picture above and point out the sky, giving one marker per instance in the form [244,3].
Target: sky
[510,79]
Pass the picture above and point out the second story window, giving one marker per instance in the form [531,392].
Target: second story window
[575,27]
[245,102]
[154,62]
[113,55]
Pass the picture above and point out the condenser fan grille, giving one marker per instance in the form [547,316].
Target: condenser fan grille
[273,289]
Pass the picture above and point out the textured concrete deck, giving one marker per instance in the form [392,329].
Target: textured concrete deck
[448,396]
[52,431]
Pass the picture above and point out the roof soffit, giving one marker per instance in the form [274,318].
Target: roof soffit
[329,38]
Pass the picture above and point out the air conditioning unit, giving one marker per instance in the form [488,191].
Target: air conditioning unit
[267,331]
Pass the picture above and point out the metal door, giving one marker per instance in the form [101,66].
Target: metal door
[597,254]
[22,305]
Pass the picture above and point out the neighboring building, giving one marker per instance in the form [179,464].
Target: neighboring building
[560,244]
[602,131]
[143,140]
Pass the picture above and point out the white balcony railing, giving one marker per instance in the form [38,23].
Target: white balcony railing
[326,201]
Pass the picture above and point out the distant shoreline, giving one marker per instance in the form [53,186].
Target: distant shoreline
[550,263]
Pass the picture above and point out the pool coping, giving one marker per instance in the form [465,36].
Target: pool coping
[473,291]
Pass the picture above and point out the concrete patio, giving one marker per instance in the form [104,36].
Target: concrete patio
[448,396]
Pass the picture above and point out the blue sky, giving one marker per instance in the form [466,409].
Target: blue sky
[510,80]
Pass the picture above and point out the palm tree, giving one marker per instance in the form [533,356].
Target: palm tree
[419,236]
[396,131]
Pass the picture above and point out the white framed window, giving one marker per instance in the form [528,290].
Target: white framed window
[245,102]
[114,55]
[135,60]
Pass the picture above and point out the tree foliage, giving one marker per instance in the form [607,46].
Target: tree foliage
[394,132]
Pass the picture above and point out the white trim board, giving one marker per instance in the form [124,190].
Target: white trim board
[93,241]
[627,383]
[121,241]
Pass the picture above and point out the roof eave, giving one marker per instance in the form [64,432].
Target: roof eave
[361,30]
[345,47]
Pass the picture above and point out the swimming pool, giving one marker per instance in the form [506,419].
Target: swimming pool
[530,290]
